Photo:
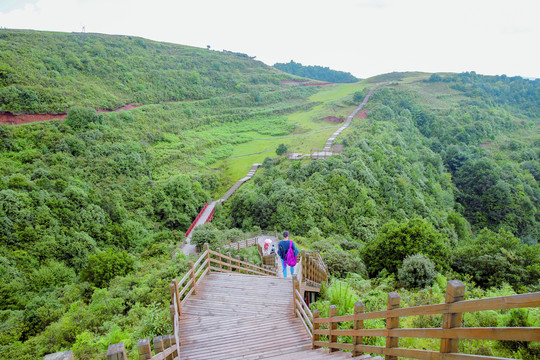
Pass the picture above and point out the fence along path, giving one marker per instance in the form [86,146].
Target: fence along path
[227,308]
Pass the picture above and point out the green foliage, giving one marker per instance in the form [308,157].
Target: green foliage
[493,258]
[38,74]
[417,271]
[342,295]
[358,96]
[106,265]
[316,72]
[281,149]
[79,117]
[396,241]
[340,262]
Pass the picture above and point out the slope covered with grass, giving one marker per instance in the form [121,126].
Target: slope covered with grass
[46,72]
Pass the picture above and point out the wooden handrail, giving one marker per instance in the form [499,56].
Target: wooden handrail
[449,335]
[301,309]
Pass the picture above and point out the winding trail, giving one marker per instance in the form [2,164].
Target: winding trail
[190,249]
[329,142]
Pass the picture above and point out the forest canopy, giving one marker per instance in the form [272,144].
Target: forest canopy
[316,72]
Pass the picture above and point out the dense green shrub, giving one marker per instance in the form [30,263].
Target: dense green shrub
[340,262]
[492,258]
[79,117]
[106,265]
[417,271]
[396,241]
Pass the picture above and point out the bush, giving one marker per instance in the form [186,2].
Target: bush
[79,117]
[104,266]
[417,271]
[396,241]
[342,262]
[281,149]
[206,233]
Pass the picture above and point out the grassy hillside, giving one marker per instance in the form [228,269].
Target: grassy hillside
[123,187]
[46,72]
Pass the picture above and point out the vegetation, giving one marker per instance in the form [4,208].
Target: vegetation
[107,72]
[91,208]
[316,72]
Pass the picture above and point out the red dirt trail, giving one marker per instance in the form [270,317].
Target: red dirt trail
[11,119]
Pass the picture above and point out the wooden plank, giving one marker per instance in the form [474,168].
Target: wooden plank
[315,328]
[509,334]
[203,275]
[455,291]
[358,325]
[332,311]
[181,282]
[187,296]
[334,345]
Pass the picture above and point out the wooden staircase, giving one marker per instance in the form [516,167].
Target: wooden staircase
[237,316]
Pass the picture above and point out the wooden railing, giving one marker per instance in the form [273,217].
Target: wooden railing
[314,270]
[248,240]
[211,261]
[450,331]
[300,308]
[165,348]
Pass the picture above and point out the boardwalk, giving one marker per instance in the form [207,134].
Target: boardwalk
[235,316]
[241,317]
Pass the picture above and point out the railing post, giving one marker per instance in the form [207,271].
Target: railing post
[158,344]
[193,280]
[304,263]
[392,323]
[332,326]
[64,355]
[315,327]
[229,260]
[171,312]
[219,258]
[173,343]
[295,286]
[143,347]
[357,325]
[207,248]
[455,291]
[116,352]
[176,291]
[167,343]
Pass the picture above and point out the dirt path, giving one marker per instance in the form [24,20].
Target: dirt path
[10,119]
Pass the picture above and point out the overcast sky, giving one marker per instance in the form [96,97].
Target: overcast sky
[364,37]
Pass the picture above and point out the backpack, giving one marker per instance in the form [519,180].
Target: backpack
[290,257]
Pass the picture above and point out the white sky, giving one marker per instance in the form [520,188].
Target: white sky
[364,37]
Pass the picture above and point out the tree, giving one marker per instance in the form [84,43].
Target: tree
[281,149]
[396,241]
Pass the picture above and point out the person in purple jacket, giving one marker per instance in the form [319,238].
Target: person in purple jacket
[283,247]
